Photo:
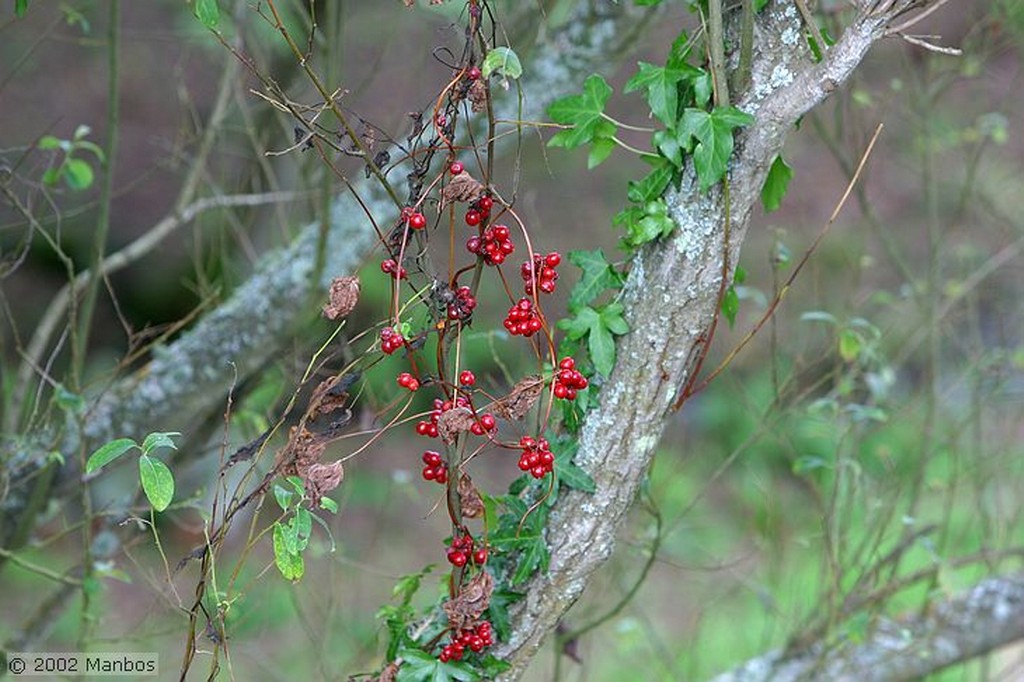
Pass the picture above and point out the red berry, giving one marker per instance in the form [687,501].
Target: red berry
[480,557]
[387,266]
[417,221]
[553,259]
[467,378]
[485,203]
[474,73]
[456,168]
[428,473]
[488,422]
[472,217]
[432,458]
[567,363]
[538,472]
[476,429]
[501,232]
[560,391]
[441,476]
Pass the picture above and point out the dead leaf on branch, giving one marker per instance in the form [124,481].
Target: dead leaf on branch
[472,505]
[478,96]
[321,479]
[463,187]
[453,422]
[520,399]
[466,608]
[343,297]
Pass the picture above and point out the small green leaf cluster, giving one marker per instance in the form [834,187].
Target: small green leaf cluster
[208,12]
[156,479]
[295,527]
[75,171]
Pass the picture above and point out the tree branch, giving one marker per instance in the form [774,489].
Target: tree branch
[986,617]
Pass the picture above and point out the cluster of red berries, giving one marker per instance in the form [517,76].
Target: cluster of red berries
[462,550]
[475,639]
[406,380]
[523,319]
[479,211]
[389,267]
[494,246]
[390,340]
[541,272]
[435,469]
[481,426]
[462,305]
[568,380]
[537,457]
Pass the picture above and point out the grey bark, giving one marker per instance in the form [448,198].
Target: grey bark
[986,617]
[671,298]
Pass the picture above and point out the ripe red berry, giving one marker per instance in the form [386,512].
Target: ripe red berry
[417,221]
[432,458]
[474,73]
[488,422]
[456,168]
[467,378]
[480,557]
[485,203]
[406,380]
[472,217]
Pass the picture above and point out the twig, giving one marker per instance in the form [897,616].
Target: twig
[921,42]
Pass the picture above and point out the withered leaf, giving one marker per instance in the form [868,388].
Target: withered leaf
[478,96]
[343,297]
[471,602]
[472,505]
[520,399]
[453,422]
[463,187]
[321,479]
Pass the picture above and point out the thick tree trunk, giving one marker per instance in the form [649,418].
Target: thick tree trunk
[671,299]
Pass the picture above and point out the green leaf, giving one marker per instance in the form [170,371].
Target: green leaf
[601,345]
[568,473]
[503,61]
[68,401]
[328,504]
[730,305]
[611,317]
[419,666]
[78,174]
[108,452]
[302,524]
[208,13]
[533,556]
[51,176]
[600,149]
[289,564]
[580,324]
[667,143]
[775,184]
[850,344]
[596,276]
[584,113]
[157,482]
[283,496]
[159,440]
[713,133]
[20,7]
[652,185]
[48,142]
[662,87]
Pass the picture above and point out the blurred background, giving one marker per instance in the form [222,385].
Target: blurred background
[886,393]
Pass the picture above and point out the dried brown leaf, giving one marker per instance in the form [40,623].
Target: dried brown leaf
[520,399]
[343,297]
[453,422]
[472,505]
[463,187]
[478,96]
[321,479]
[471,602]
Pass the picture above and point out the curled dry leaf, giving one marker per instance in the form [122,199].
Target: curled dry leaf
[321,479]
[462,187]
[472,505]
[467,607]
[453,422]
[343,297]
[330,395]
[390,671]
[520,399]
[478,96]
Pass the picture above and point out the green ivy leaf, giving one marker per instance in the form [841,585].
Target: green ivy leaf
[714,140]
[419,666]
[503,61]
[580,324]
[652,185]
[159,440]
[600,149]
[568,473]
[775,184]
[661,85]
[598,328]
[731,299]
[20,7]
[108,452]
[583,113]
[283,496]
[850,344]
[157,482]
[78,174]
[208,13]
[597,274]
[667,143]
[48,142]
